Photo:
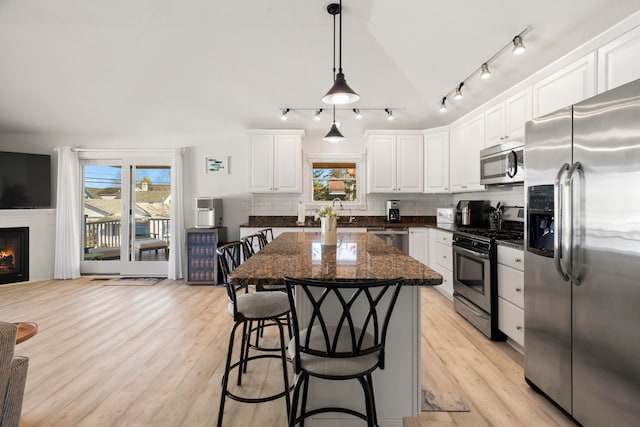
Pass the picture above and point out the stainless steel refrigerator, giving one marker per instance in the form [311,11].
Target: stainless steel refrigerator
[582,257]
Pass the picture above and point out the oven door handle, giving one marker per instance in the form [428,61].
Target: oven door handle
[469,305]
[469,252]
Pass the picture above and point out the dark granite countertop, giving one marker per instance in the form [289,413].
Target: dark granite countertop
[343,221]
[357,256]
[515,244]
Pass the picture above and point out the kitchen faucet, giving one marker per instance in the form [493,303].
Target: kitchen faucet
[333,203]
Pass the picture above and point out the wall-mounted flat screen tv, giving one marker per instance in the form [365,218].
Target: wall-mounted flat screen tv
[25,180]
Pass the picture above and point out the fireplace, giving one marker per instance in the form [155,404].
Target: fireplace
[14,254]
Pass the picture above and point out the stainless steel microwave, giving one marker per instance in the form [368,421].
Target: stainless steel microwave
[502,164]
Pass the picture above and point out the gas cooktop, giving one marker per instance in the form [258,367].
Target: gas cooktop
[492,234]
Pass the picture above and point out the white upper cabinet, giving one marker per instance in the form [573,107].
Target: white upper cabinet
[505,121]
[457,175]
[519,109]
[618,61]
[494,121]
[436,161]
[275,162]
[395,162]
[569,85]
[466,140]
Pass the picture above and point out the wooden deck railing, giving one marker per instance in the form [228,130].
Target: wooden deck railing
[106,234]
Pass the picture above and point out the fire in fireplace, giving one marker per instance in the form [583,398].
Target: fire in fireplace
[14,254]
[7,260]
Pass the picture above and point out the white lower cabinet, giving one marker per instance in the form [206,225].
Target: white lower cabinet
[511,293]
[419,244]
[444,260]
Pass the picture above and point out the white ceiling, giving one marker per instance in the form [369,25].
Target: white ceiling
[199,67]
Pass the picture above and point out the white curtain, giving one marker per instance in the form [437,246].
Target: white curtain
[68,216]
[176,225]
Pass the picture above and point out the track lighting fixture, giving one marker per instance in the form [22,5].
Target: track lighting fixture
[317,117]
[484,71]
[284,114]
[443,105]
[389,114]
[458,94]
[334,134]
[357,113]
[340,93]
[518,46]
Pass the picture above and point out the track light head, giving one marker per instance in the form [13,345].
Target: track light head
[484,71]
[443,105]
[458,94]
[317,117]
[518,45]
[389,113]
[283,116]
[357,113]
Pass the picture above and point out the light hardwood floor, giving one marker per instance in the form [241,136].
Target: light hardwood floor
[153,356]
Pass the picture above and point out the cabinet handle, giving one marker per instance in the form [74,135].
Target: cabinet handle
[444,257]
[519,327]
[518,289]
[518,260]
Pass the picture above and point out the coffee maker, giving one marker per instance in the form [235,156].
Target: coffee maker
[393,210]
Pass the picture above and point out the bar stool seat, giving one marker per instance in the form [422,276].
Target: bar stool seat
[323,367]
[259,306]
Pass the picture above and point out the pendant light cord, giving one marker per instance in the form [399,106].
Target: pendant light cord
[340,43]
[334,48]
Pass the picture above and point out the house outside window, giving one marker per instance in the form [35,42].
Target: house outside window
[333,180]
[336,176]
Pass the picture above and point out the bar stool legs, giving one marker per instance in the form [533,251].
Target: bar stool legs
[241,365]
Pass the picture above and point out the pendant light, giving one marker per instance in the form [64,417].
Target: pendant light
[340,93]
[334,134]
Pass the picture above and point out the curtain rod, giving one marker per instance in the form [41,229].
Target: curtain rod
[109,150]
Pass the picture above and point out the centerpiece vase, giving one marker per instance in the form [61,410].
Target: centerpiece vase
[329,230]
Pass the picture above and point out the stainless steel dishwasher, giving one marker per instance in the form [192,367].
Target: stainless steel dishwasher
[397,237]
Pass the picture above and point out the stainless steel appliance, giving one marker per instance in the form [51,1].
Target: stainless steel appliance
[473,213]
[475,281]
[208,212]
[445,217]
[582,257]
[393,210]
[502,164]
[396,237]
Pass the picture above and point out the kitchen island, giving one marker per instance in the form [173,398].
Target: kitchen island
[356,256]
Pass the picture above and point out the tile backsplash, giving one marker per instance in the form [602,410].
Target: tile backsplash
[410,204]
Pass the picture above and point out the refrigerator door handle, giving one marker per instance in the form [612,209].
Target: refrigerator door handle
[558,189]
[574,223]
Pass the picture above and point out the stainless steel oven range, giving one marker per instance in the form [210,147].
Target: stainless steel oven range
[475,281]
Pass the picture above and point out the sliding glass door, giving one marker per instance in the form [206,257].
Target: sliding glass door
[126,216]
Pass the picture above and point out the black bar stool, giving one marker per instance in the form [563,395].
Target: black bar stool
[338,342]
[266,236]
[246,307]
